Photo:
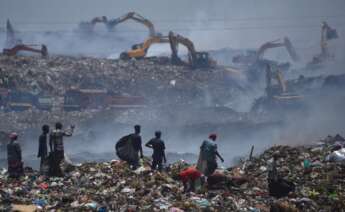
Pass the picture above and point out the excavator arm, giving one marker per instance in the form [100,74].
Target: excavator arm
[89,26]
[140,50]
[136,17]
[177,39]
[10,35]
[275,44]
[21,47]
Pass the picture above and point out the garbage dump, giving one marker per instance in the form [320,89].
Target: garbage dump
[60,86]
[113,186]
[217,89]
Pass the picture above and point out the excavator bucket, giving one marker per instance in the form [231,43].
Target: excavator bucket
[291,49]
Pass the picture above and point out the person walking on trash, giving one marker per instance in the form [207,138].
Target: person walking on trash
[57,149]
[43,149]
[158,146]
[207,162]
[14,157]
[129,147]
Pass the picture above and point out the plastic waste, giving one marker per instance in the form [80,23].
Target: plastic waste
[92,205]
[306,164]
[40,202]
[201,202]
[336,156]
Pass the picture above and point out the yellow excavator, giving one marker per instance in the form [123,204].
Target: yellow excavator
[255,56]
[277,98]
[136,17]
[110,24]
[327,33]
[278,91]
[139,51]
[195,59]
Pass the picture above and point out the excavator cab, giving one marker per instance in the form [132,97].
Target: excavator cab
[196,59]
[140,50]
[201,60]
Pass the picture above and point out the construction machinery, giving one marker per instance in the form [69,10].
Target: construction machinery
[139,51]
[195,59]
[14,45]
[136,17]
[327,34]
[20,101]
[81,99]
[11,39]
[277,94]
[255,56]
[110,24]
[88,27]
[22,47]
[15,100]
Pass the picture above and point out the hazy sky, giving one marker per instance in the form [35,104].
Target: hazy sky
[241,23]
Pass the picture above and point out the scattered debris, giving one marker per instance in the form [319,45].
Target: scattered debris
[113,186]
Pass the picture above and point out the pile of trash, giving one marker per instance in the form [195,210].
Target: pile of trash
[155,79]
[151,77]
[318,172]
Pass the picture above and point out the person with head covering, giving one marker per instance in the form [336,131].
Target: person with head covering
[14,157]
[158,146]
[57,149]
[207,162]
[43,148]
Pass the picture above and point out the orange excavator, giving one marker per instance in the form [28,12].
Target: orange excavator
[14,45]
[22,47]
[139,51]
[195,59]
[255,56]
[110,24]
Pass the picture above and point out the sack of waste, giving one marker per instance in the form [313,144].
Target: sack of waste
[336,156]
[124,149]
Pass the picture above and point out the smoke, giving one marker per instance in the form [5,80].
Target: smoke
[227,25]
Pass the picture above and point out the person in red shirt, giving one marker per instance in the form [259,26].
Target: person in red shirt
[188,177]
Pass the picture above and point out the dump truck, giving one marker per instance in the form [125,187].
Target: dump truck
[81,99]
[20,101]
